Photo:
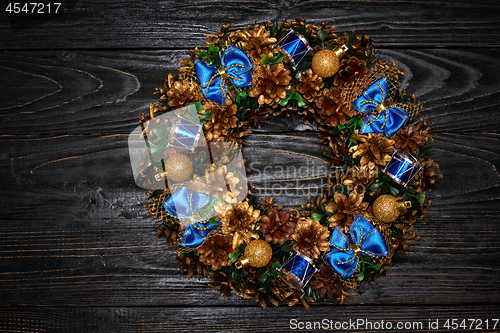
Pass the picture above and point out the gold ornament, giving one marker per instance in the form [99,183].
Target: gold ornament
[386,208]
[258,253]
[178,167]
[326,63]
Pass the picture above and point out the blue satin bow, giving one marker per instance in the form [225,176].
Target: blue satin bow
[185,205]
[386,119]
[235,65]
[367,240]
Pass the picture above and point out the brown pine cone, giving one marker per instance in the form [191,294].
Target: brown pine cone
[374,148]
[240,222]
[428,175]
[350,70]
[326,283]
[309,86]
[221,38]
[215,251]
[191,265]
[223,121]
[360,45]
[276,227]
[357,178]
[346,210]
[271,84]
[170,232]
[311,237]
[254,40]
[332,109]
[180,93]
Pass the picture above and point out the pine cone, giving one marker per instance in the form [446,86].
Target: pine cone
[257,117]
[311,237]
[309,86]
[350,70]
[332,109]
[346,210]
[180,93]
[214,251]
[361,45]
[223,121]
[170,232]
[357,178]
[374,148]
[326,283]
[191,265]
[410,138]
[276,227]
[428,175]
[240,222]
[254,40]
[221,38]
[271,84]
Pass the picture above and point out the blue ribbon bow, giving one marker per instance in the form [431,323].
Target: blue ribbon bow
[235,66]
[185,205]
[387,119]
[367,240]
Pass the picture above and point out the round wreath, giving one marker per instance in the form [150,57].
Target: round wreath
[349,234]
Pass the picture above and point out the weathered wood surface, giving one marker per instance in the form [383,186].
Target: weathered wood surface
[73,232]
[173,24]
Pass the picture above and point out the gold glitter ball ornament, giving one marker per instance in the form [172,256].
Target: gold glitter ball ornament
[178,167]
[326,63]
[386,208]
[258,253]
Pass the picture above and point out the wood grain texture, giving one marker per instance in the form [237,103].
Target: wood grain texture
[78,254]
[238,319]
[75,232]
[106,92]
[173,24]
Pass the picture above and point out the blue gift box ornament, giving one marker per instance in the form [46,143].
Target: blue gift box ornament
[402,168]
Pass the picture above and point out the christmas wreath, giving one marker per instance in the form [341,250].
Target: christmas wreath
[379,152]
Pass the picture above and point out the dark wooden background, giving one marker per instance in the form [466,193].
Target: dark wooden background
[77,252]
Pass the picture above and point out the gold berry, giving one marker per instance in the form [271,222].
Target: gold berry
[385,208]
[325,63]
[178,167]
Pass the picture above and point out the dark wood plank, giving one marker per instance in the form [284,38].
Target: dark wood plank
[74,232]
[126,24]
[106,92]
[247,319]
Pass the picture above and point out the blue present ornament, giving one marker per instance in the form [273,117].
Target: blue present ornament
[235,67]
[185,205]
[297,270]
[366,240]
[402,168]
[384,119]
[294,46]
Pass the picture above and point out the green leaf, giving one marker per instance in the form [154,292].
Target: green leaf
[240,248]
[376,268]
[213,221]
[420,197]
[265,59]
[322,35]
[233,257]
[198,105]
[393,190]
[285,248]
[341,127]
[316,216]
[264,276]
[206,115]
[361,276]
[374,186]
[301,103]
[276,265]
[201,54]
